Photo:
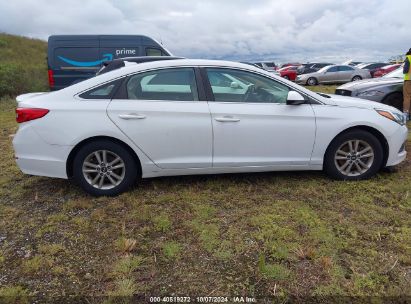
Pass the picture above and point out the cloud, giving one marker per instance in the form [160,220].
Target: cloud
[241,29]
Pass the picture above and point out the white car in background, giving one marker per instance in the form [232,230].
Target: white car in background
[181,117]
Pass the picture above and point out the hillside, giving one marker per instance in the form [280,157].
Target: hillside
[23,65]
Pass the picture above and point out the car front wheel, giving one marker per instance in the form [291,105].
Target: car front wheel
[312,81]
[104,168]
[353,155]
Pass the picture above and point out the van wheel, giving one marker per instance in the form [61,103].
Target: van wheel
[395,100]
[104,168]
[353,155]
[312,81]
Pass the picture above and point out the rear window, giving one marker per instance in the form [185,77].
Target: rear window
[105,91]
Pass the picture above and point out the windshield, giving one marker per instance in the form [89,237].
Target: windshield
[395,74]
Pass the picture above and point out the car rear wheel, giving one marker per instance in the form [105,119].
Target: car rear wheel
[312,81]
[356,78]
[395,100]
[104,168]
[353,155]
[286,77]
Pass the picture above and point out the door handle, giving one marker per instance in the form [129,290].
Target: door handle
[227,119]
[132,116]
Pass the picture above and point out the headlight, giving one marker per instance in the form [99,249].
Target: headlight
[371,93]
[394,116]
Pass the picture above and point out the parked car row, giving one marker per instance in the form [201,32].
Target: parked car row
[386,89]
[333,74]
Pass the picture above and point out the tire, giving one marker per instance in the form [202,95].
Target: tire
[312,81]
[395,100]
[118,171]
[334,162]
[356,78]
[286,77]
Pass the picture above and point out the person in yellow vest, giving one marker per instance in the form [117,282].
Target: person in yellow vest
[407,84]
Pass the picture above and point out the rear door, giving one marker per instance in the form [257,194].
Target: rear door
[331,75]
[164,114]
[345,73]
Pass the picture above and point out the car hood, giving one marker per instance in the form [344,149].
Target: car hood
[343,101]
[369,83]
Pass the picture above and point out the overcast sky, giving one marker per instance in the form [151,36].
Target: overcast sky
[282,30]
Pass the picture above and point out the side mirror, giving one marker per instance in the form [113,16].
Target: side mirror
[235,85]
[294,98]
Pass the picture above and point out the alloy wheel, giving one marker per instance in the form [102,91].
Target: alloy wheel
[103,169]
[354,157]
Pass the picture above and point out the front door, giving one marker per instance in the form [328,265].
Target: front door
[255,127]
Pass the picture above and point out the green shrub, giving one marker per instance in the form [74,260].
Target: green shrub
[23,66]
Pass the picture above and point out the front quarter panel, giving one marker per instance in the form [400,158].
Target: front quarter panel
[332,120]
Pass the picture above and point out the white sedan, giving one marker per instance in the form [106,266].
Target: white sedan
[181,117]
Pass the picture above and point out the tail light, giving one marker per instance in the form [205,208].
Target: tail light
[51,78]
[27,114]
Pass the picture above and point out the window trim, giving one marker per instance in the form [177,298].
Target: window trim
[122,94]
[117,82]
[210,96]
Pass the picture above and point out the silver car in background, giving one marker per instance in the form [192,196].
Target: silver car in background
[333,74]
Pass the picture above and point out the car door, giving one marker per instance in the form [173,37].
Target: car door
[257,128]
[161,112]
[331,74]
[345,73]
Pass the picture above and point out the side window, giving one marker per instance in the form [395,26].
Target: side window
[333,69]
[154,52]
[345,68]
[229,85]
[168,84]
[104,91]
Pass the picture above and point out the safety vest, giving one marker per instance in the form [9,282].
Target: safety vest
[408,75]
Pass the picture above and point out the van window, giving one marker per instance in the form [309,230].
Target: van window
[167,84]
[154,52]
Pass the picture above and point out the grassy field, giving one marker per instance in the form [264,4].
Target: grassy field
[262,235]
[273,234]
[23,65]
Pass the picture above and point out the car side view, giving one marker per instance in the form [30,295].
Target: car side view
[333,74]
[184,117]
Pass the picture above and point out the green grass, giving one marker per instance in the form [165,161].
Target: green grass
[23,65]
